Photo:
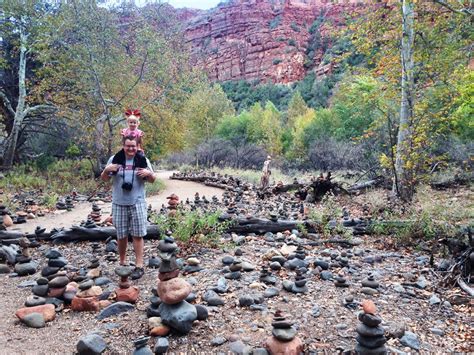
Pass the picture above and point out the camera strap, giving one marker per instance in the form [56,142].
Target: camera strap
[133,170]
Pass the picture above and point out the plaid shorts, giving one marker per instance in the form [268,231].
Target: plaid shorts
[130,220]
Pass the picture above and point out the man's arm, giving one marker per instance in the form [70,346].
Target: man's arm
[105,174]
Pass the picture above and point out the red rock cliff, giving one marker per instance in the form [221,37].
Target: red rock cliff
[260,39]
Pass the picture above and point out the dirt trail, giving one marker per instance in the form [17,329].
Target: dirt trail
[61,218]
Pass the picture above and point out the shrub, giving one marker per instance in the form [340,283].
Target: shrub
[277,61]
[199,226]
[275,22]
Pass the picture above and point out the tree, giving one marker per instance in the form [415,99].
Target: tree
[21,26]
[204,109]
[404,183]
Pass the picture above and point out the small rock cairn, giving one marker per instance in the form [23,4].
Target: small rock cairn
[283,339]
[96,213]
[125,292]
[175,312]
[370,338]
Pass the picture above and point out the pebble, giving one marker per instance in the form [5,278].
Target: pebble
[411,340]
[316,311]
[271,292]
[434,300]
[161,346]
[437,331]
[91,344]
[326,275]
[218,341]
[202,312]
[227,260]
[32,301]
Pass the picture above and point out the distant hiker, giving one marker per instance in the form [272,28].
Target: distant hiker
[265,179]
[129,209]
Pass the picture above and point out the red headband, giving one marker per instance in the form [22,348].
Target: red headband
[131,112]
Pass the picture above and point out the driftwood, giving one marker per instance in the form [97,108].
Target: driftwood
[4,235]
[464,286]
[364,185]
[260,225]
[77,233]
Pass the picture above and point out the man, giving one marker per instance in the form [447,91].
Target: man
[265,179]
[129,210]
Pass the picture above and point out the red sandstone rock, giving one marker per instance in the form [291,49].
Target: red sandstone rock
[160,331]
[129,295]
[173,291]
[94,291]
[368,306]
[277,347]
[56,292]
[85,304]
[47,310]
[262,39]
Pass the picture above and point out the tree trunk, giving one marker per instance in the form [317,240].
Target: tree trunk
[12,140]
[403,183]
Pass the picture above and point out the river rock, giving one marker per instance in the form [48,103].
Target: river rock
[34,320]
[32,301]
[275,346]
[85,304]
[174,291]
[129,294]
[115,309]
[179,316]
[411,340]
[161,345]
[47,310]
[26,268]
[91,344]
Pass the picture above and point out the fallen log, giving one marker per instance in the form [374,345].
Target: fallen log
[76,233]
[11,235]
[465,287]
[365,185]
[260,225]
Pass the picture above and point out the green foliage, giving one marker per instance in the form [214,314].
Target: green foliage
[277,61]
[44,161]
[295,27]
[275,22]
[244,94]
[292,42]
[73,151]
[195,226]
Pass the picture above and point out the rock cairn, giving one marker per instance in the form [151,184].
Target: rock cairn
[5,217]
[125,292]
[283,339]
[175,312]
[370,335]
[96,214]
[24,265]
[141,346]
[299,285]
[173,201]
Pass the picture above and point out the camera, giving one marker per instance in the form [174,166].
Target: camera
[127,186]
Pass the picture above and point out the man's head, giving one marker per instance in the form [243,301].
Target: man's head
[129,146]
[269,157]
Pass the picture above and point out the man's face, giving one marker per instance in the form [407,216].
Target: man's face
[130,148]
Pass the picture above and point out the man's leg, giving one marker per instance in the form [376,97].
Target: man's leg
[138,248]
[122,248]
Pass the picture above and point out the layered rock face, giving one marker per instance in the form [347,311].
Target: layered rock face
[261,39]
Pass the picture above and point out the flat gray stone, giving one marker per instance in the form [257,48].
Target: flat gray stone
[34,320]
[91,344]
[114,309]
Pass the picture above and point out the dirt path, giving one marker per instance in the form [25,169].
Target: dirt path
[62,218]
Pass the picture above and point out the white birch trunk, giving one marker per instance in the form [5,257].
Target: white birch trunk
[403,184]
[12,140]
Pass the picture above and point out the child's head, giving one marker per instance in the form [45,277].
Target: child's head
[133,119]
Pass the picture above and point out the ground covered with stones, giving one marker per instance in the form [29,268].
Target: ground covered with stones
[408,299]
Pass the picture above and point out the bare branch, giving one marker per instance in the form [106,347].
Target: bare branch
[7,103]
[140,76]
[462,11]
[40,109]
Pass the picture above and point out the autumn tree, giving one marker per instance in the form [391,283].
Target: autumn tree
[21,26]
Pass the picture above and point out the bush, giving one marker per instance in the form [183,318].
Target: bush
[198,226]
[277,61]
